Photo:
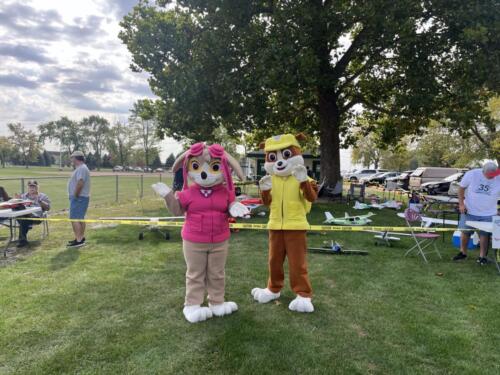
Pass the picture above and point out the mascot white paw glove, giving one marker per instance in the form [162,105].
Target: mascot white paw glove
[300,173]
[264,295]
[238,209]
[161,189]
[196,313]
[301,304]
[225,308]
[265,183]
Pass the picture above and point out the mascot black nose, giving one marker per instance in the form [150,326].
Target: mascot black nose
[204,175]
[280,163]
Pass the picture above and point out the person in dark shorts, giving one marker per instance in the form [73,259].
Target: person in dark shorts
[478,194]
[79,196]
[38,199]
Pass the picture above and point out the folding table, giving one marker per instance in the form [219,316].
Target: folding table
[8,219]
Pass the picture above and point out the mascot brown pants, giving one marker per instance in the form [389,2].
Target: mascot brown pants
[289,244]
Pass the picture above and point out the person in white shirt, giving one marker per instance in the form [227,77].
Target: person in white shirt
[478,194]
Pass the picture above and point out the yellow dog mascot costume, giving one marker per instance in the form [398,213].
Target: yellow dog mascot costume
[289,192]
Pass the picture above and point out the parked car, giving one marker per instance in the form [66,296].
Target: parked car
[379,178]
[117,168]
[137,169]
[159,170]
[147,169]
[430,174]
[364,180]
[402,180]
[441,187]
[362,173]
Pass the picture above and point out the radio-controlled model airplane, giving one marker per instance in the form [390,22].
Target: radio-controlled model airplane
[152,225]
[348,220]
[334,248]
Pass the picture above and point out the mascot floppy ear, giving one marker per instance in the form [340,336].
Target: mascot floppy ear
[262,145]
[300,137]
[235,166]
[179,161]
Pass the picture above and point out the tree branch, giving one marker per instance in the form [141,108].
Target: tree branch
[475,131]
[350,104]
[344,61]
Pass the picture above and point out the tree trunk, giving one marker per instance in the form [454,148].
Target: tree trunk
[329,118]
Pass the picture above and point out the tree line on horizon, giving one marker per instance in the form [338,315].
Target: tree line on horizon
[105,145]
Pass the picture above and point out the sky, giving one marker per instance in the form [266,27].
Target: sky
[64,58]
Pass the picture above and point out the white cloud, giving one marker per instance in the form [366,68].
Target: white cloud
[64,58]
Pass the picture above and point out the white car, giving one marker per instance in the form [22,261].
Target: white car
[363,173]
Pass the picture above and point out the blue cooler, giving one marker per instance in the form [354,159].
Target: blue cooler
[473,240]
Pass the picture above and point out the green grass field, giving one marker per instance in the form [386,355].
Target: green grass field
[103,187]
[115,307]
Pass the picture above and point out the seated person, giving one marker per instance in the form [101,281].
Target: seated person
[39,200]
[4,197]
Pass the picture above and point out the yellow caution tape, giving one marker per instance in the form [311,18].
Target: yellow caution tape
[254,226]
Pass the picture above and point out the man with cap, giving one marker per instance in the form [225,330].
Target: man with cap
[79,196]
[38,199]
[478,195]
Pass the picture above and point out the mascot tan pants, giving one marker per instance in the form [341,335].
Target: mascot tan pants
[206,263]
[291,244]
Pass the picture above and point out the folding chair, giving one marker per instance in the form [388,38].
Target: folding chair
[333,193]
[422,240]
[45,225]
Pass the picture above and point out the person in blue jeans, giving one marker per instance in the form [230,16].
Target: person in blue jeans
[478,194]
[79,196]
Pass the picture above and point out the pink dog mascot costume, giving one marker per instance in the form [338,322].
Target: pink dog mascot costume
[207,204]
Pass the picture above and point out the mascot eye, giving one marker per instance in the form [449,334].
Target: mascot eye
[215,167]
[195,165]
[287,153]
[271,156]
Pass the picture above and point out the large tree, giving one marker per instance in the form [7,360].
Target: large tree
[120,143]
[67,133]
[97,130]
[6,150]
[144,121]
[307,64]
[25,142]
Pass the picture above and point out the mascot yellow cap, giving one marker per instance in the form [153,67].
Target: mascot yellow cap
[279,142]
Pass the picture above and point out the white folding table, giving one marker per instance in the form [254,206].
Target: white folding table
[8,219]
[486,227]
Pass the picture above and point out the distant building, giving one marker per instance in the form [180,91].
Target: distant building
[253,164]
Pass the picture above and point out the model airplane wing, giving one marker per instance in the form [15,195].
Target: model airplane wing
[429,221]
[144,218]
[481,225]
[381,233]
[361,206]
[329,217]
